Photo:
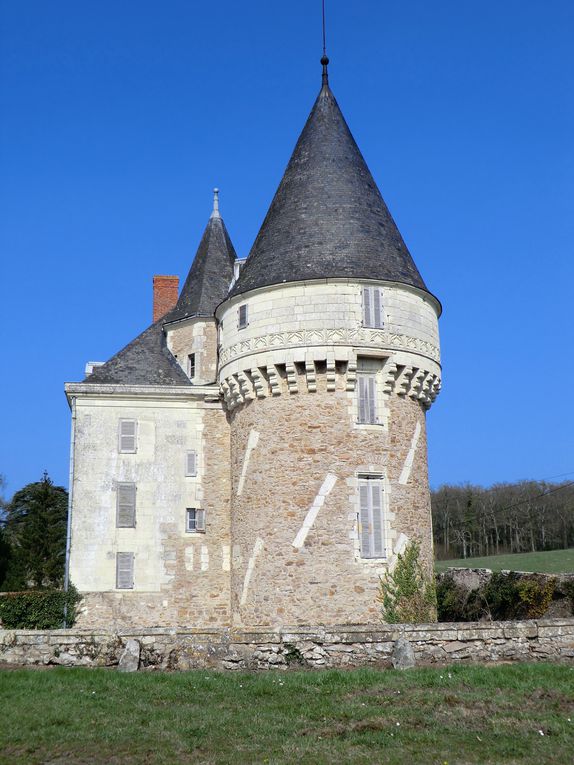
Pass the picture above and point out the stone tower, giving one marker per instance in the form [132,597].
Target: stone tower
[328,361]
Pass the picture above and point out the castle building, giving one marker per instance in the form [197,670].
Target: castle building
[257,456]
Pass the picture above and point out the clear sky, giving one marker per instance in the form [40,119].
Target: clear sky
[118,118]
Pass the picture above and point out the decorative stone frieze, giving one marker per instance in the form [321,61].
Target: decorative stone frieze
[306,338]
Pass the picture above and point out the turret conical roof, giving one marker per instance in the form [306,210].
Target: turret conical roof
[327,218]
[211,273]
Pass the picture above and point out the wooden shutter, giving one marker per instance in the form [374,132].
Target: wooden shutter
[191,464]
[127,436]
[371,399]
[371,531]
[200,520]
[365,523]
[126,505]
[367,307]
[362,395]
[377,309]
[377,541]
[124,571]
[367,398]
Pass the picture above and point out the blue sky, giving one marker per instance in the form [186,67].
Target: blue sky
[117,119]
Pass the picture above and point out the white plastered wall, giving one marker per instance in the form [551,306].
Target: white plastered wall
[166,430]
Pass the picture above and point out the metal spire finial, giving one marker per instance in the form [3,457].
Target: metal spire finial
[324,57]
[215,213]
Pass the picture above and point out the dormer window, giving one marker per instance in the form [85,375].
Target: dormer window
[191,366]
[242,317]
[373,308]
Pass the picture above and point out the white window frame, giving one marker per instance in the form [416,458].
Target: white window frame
[122,449]
[371,517]
[242,316]
[125,567]
[366,387]
[120,502]
[191,472]
[194,520]
[373,312]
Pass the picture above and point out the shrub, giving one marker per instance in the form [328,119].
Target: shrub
[407,595]
[569,590]
[512,596]
[38,609]
[456,603]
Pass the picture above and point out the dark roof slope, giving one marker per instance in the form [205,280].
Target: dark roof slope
[208,281]
[145,361]
[328,218]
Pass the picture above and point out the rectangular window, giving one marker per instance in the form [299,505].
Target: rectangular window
[124,571]
[373,308]
[194,519]
[367,399]
[191,366]
[126,505]
[242,317]
[191,464]
[371,528]
[127,436]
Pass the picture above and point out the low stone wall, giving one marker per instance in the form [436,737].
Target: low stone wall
[314,647]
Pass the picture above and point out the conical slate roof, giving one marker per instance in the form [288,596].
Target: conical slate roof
[327,218]
[208,281]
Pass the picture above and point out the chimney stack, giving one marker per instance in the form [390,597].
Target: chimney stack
[165,291]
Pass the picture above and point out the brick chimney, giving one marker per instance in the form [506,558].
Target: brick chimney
[165,289]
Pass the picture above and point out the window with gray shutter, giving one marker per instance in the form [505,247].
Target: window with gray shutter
[242,317]
[126,505]
[194,519]
[371,527]
[367,399]
[373,308]
[124,571]
[127,436]
[191,463]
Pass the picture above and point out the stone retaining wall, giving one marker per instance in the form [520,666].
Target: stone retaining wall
[296,647]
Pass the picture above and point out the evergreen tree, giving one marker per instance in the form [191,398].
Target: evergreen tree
[35,529]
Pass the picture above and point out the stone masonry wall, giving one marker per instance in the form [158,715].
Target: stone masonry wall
[288,451]
[294,647]
[197,336]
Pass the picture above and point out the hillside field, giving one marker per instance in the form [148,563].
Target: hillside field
[549,562]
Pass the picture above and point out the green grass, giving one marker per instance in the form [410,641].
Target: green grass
[550,562]
[462,715]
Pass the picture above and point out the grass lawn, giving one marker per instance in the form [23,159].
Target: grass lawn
[551,562]
[521,713]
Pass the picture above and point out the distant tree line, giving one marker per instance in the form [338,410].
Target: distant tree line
[528,516]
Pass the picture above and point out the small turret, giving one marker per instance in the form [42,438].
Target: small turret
[190,327]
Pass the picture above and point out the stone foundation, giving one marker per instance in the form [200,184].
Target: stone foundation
[294,647]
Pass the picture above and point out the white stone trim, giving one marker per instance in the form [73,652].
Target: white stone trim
[408,465]
[257,549]
[318,502]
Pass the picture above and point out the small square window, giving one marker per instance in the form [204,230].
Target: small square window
[242,317]
[194,520]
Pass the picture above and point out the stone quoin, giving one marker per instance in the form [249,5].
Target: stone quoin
[258,455]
